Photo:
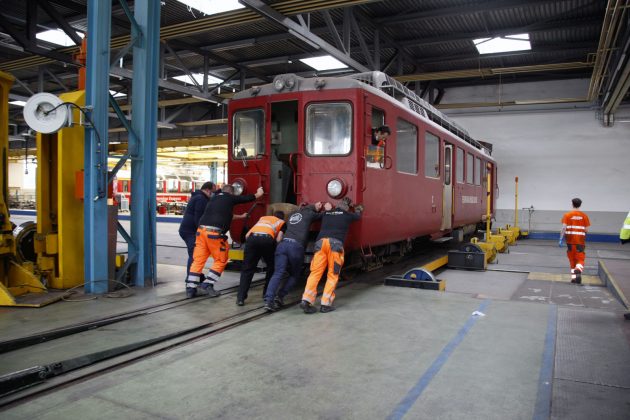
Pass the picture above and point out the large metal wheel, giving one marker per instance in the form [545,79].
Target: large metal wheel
[419,274]
[470,247]
[25,242]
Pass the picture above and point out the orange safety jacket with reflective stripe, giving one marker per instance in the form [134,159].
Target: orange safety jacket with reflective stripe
[576,222]
[270,225]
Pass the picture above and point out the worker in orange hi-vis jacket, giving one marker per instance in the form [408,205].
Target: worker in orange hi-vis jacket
[574,227]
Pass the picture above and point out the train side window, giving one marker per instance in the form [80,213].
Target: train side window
[431,155]
[249,134]
[477,171]
[469,168]
[406,147]
[328,129]
[459,169]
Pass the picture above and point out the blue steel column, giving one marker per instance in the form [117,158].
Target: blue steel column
[95,185]
[143,149]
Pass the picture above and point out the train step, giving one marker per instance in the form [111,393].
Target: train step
[442,239]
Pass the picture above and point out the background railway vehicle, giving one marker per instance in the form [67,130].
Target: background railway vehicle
[308,140]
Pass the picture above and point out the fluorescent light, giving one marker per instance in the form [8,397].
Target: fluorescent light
[507,43]
[211,7]
[57,36]
[117,94]
[18,103]
[325,62]
[199,78]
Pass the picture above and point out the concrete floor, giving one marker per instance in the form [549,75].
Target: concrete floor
[386,352]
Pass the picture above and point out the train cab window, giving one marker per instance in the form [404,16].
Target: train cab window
[431,155]
[469,168]
[477,171]
[459,169]
[375,153]
[406,147]
[328,129]
[249,134]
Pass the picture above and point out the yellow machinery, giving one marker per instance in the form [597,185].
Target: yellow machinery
[512,233]
[499,241]
[58,241]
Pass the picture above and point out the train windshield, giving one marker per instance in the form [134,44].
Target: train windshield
[328,129]
[249,130]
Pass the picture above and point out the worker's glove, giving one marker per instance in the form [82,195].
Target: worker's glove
[358,208]
[560,241]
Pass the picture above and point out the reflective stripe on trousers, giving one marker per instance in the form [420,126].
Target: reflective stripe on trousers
[329,255]
[209,244]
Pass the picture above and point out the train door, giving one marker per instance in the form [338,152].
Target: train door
[447,189]
[284,157]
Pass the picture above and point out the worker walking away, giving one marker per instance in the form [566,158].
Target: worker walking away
[289,257]
[190,222]
[574,227]
[212,240]
[624,233]
[260,243]
[329,254]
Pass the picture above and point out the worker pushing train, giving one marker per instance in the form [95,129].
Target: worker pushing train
[574,227]
[260,243]
[212,240]
[289,256]
[329,253]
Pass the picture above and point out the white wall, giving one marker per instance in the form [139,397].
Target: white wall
[556,154]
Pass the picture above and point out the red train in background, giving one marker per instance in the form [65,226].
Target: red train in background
[172,191]
[308,140]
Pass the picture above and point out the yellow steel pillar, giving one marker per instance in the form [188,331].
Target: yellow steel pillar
[59,238]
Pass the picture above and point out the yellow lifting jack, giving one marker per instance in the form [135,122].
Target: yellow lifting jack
[512,233]
[499,241]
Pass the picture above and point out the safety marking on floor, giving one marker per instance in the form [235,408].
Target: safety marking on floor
[403,406]
[545,380]
[564,278]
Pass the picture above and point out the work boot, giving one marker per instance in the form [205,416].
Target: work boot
[191,292]
[207,289]
[278,301]
[326,308]
[307,307]
[270,306]
[240,302]
[578,277]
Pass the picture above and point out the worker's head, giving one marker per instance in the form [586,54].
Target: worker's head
[576,203]
[327,206]
[382,132]
[318,206]
[227,188]
[207,186]
[279,214]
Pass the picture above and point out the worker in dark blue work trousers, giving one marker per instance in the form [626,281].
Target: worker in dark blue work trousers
[212,240]
[194,210]
[289,256]
[260,243]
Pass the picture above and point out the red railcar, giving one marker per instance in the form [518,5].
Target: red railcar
[308,140]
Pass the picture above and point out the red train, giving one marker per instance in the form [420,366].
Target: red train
[308,140]
[171,189]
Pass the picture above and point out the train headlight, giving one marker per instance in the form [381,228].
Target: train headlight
[239,187]
[335,188]
[278,84]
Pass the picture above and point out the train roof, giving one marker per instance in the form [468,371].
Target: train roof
[376,81]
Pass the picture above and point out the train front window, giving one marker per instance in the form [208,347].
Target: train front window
[328,129]
[248,134]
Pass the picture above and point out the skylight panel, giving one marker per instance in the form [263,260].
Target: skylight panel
[211,7]
[325,62]
[18,103]
[117,94]
[58,37]
[199,78]
[500,44]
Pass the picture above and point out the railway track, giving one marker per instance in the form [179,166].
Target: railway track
[27,384]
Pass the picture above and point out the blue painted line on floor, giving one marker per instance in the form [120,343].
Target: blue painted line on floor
[545,381]
[415,392]
[590,237]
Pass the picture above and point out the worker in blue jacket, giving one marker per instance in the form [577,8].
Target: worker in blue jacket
[192,214]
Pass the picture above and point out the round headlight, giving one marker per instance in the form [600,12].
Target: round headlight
[278,84]
[335,188]
[239,187]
